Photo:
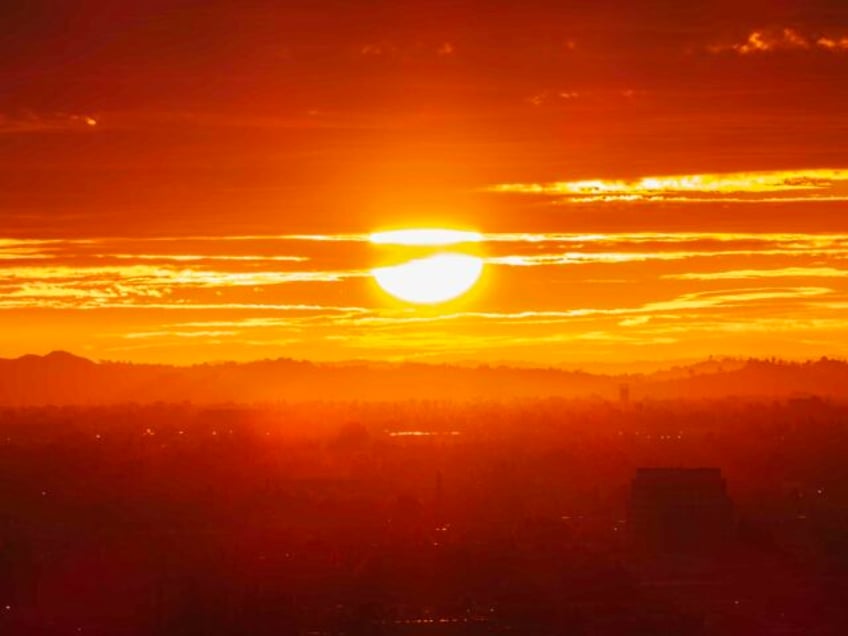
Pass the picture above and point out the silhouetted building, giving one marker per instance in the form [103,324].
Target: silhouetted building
[679,510]
[624,393]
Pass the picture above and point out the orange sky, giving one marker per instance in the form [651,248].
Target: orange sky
[187,181]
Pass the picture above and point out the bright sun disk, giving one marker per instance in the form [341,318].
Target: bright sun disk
[430,280]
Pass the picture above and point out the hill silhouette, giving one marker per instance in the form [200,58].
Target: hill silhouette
[61,378]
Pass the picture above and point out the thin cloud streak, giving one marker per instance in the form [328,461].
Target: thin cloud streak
[786,39]
[764,186]
[202,257]
[32,122]
[743,274]
[663,198]
[106,284]
[76,278]
[104,247]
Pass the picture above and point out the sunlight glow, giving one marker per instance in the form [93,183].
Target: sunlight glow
[430,236]
[430,280]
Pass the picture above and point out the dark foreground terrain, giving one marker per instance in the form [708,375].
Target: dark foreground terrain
[419,518]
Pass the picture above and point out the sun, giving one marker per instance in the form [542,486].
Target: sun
[432,279]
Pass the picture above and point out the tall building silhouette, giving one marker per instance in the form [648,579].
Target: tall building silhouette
[679,510]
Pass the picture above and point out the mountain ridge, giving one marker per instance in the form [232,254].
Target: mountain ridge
[63,378]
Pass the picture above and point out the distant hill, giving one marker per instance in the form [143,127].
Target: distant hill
[61,378]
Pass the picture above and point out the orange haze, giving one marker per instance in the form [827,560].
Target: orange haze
[649,180]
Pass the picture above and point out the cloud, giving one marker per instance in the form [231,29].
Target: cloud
[675,319]
[179,294]
[776,185]
[833,44]
[744,274]
[179,334]
[278,259]
[166,275]
[31,122]
[578,258]
[187,258]
[240,297]
[595,97]
[735,297]
[786,39]
[389,49]
[445,48]
[378,49]
[552,96]
[114,285]
[639,314]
